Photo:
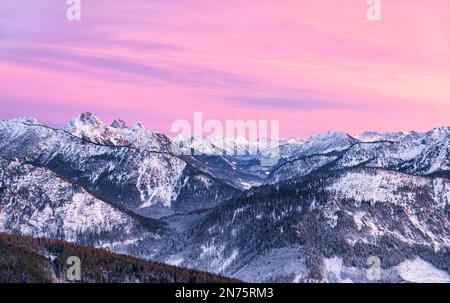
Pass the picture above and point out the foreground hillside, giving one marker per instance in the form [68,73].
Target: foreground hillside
[24,259]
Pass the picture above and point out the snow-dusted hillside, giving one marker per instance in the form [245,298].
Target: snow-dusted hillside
[416,153]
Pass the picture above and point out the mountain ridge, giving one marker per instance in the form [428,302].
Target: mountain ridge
[40,260]
[227,214]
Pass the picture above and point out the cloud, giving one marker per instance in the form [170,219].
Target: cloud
[114,67]
[294,104]
[317,61]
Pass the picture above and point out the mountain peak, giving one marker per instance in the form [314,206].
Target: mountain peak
[443,130]
[138,126]
[119,123]
[370,136]
[88,126]
[293,141]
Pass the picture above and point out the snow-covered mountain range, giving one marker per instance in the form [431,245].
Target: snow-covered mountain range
[329,204]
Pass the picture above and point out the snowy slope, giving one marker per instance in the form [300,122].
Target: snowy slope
[323,228]
[330,203]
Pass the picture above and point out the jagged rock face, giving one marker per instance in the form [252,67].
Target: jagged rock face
[87,126]
[415,153]
[28,260]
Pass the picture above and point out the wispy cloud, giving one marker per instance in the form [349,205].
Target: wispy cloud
[293,104]
[313,65]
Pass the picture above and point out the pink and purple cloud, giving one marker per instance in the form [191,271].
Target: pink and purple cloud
[314,65]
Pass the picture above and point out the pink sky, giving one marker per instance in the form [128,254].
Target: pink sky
[314,65]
